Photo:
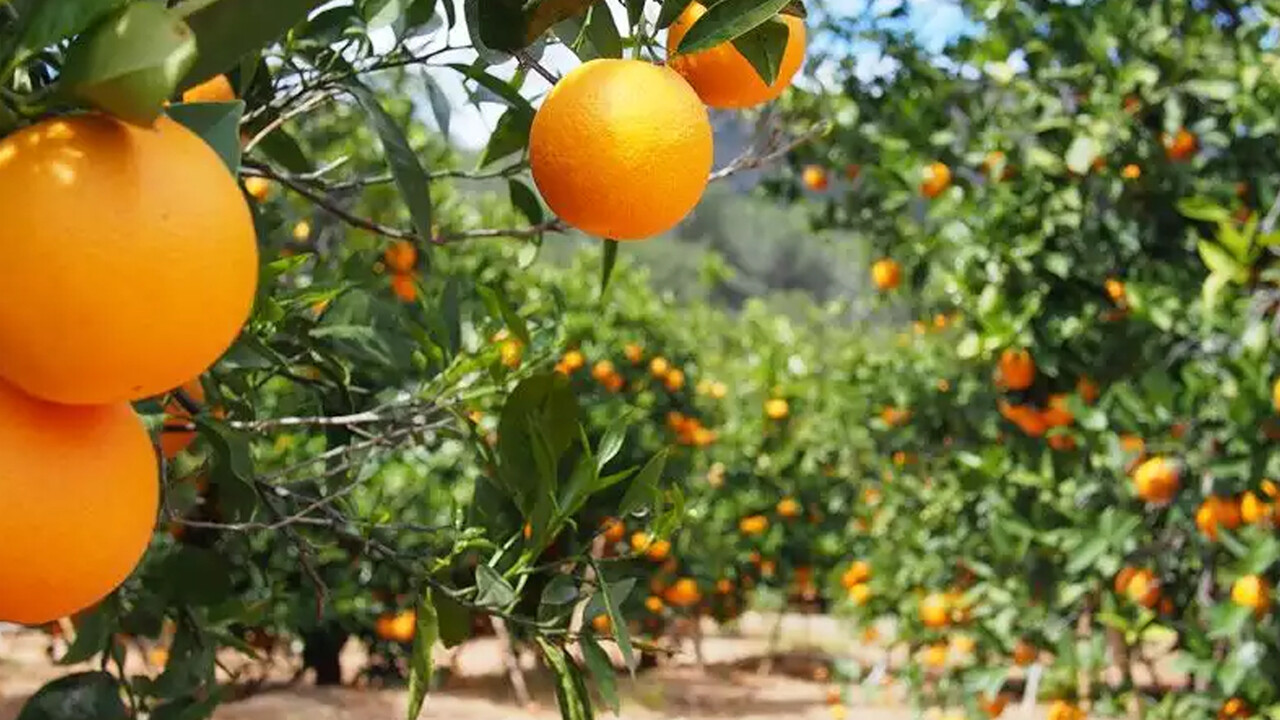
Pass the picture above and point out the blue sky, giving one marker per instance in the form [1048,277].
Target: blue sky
[934,21]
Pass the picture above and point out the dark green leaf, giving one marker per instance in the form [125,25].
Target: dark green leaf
[94,630]
[601,670]
[492,590]
[546,13]
[671,9]
[130,63]
[421,663]
[574,704]
[562,590]
[217,124]
[226,30]
[83,696]
[611,443]
[635,11]
[452,316]
[441,108]
[454,620]
[608,263]
[763,47]
[497,24]
[644,488]
[411,178]
[727,20]
[193,576]
[503,89]
[232,471]
[613,595]
[281,147]
[525,200]
[511,135]
[511,317]
[45,23]
[602,31]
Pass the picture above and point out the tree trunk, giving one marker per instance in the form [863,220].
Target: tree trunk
[321,651]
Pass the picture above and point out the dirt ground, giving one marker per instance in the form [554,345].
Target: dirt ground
[474,685]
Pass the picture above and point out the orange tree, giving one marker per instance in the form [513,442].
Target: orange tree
[1088,187]
[227,215]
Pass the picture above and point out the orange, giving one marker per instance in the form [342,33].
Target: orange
[659,367]
[1181,146]
[1017,370]
[1234,709]
[1275,395]
[130,283]
[602,370]
[400,256]
[1143,588]
[935,656]
[935,178]
[1156,480]
[602,624]
[859,572]
[397,627]
[1058,414]
[1088,390]
[814,178]
[1115,290]
[1253,510]
[674,380]
[776,408]
[683,594]
[788,508]
[1024,653]
[175,437]
[634,353]
[753,525]
[1062,442]
[993,707]
[1217,512]
[511,352]
[1063,710]
[1252,591]
[574,360]
[658,550]
[1131,172]
[654,604]
[886,274]
[621,149]
[721,76]
[259,188]
[614,530]
[215,89]
[935,610]
[859,595]
[81,492]
[404,288]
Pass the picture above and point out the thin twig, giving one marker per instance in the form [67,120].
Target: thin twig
[528,61]
[285,117]
[750,160]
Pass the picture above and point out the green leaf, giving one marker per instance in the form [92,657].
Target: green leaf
[227,30]
[1202,208]
[1212,289]
[510,317]
[607,264]
[1081,154]
[671,9]
[613,595]
[1218,90]
[574,703]
[93,634]
[82,696]
[193,576]
[525,200]
[763,47]
[421,662]
[503,89]
[130,63]
[410,177]
[454,620]
[562,590]
[635,11]
[281,147]
[45,23]
[218,124]
[545,13]
[544,402]
[510,136]
[382,13]
[644,488]
[441,108]
[602,31]
[611,443]
[1087,555]
[493,590]
[451,316]
[728,20]
[1219,261]
[232,470]
[601,671]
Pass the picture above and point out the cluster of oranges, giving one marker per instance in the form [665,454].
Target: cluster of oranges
[854,580]
[622,149]
[97,316]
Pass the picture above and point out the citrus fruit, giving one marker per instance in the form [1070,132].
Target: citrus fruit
[776,408]
[81,491]
[935,610]
[1156,480]
[1017,370]
[935,178]
[215,89]
[139,289]
[886,274]
[721,75]
[259,188]
[815,178]
[397,627]
[400,256]
[1252,591]
[404,288]
[621,149]
[1181,146]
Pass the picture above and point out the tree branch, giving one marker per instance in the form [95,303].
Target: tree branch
[751,160]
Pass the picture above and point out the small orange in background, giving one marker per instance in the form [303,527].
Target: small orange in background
[935,656]
[1275,395]
[511,353]
[302,231]
[659,550]
[934,179]
[935,610]
[1063,710]
[215,89]
[654,604]
[722,76]
[859,572]
[1252,591]
[1058,414]
[859,594]
[634,353]
[1131,172]
[1143,588]
[573,360]
[1024,653]
[993,707]
[1062,442]
[1133,444]
[602,624]
[1235,709]
[397,627]
[776,408]
[886,274]
[621,149]
[788,508]
[684,593]
[1016,369]
[724,586]
[175,435]
[614,530]
[814,178]
[753,525]
[1157,480]
[400,256]
[674,381]
[1253,510]
[1087,389]
[1181,146]
[404,288]
[259,188]
[1115,290]
[659,367]
[602,370]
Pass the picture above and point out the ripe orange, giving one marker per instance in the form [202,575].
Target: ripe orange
[1115,290]
[1234,709]
[659,367]
[859,594]
[81,492]
[886,274]
[683,593]
[602,370]
[1143,588]
[993,707]
[1024,653]
[1253,510]
[934,179]
[1156,480]
[573,360]
[1063,710]
[400,257]
[215,89]
[753,525]
[1275,395]
[935,656]
[814,178]
[1181,146]
[511,352]
[776,408]
[721,76]
[602,624]
[621,149]
[1131,172]
[654,604]
[614,530]
[143,283]
[259,188]
[1017,370]
[859,572]
[634,353]
[674,380]
[1088,390]
[404,288]
[788,508]
[1217,512]
[1252,591]
[935,610]
[1057,414]
[658,551]
[397,627]
[174,436]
